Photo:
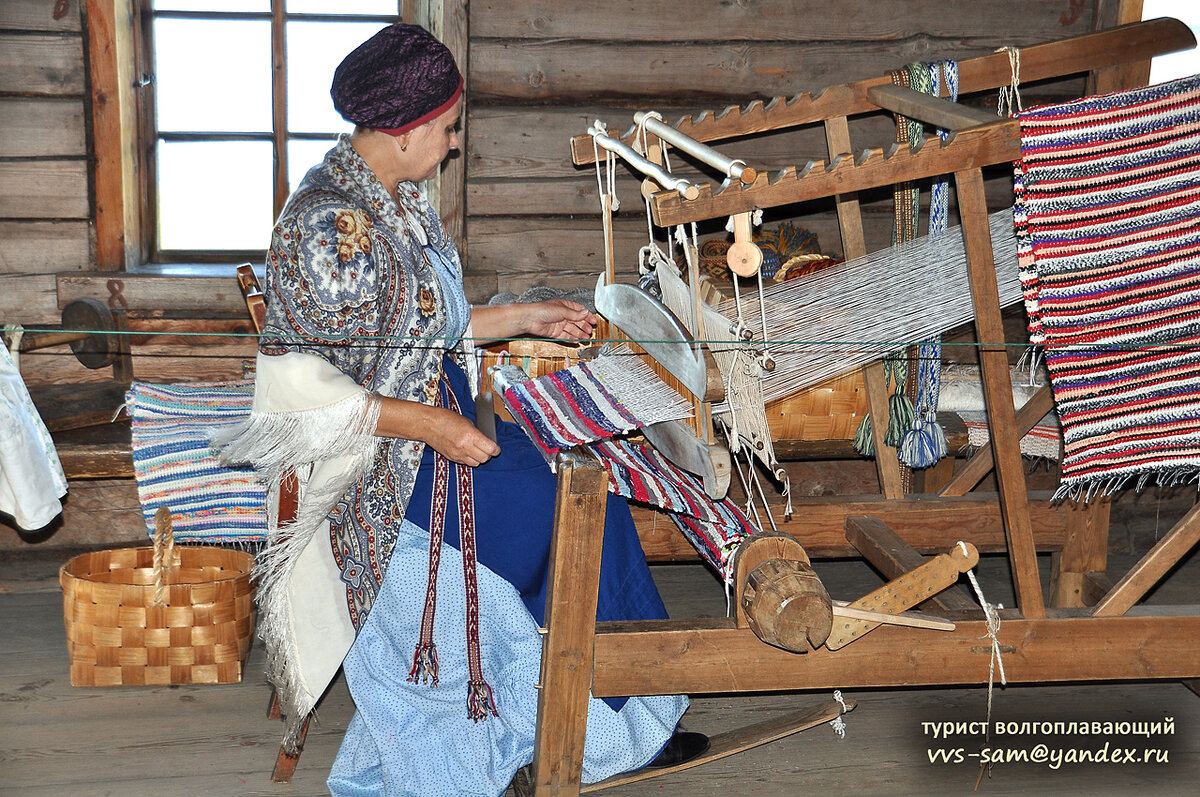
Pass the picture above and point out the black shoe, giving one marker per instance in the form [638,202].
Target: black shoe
[681,748]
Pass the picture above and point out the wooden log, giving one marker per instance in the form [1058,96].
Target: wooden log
[773,20]
[43,189]
[41,65]
[42,127]
[787,605]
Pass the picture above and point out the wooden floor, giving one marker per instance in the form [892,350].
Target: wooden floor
[216,740]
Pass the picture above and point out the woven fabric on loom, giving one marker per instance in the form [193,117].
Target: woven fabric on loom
[1108,226]
[610,395]
[566,409]
[174,467]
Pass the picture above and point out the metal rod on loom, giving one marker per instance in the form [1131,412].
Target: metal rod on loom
[652,170]
[732,168]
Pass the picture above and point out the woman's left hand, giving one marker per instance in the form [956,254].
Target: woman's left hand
[558,318]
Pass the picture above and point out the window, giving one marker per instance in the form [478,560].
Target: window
[1175,65]
[238,107]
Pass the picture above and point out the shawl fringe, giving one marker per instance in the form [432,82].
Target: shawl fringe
[275,442]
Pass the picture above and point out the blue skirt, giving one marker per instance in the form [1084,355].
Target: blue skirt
[416,739]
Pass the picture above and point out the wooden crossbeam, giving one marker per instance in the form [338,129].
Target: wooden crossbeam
[713,656]
[1142,577]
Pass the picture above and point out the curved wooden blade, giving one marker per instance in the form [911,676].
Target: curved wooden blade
[656,329]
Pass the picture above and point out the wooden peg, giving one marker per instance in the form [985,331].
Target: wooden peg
[744,257]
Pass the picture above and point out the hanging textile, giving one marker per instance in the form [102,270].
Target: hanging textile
[1108,225]
[175,467]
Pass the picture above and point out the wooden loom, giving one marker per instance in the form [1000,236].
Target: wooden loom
[1066,641]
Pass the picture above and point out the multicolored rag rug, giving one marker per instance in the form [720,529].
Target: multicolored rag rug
[1107,217]
[610,395]
[174,467]
[593,404]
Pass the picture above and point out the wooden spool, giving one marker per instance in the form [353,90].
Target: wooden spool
[782,600]
[88,327]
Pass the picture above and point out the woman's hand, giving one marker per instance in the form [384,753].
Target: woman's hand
[555,318]
[447,432]
[559,318]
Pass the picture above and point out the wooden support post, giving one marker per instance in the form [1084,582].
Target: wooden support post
[1152,567]
[1085,550]
[997,392]
[887,463]
[567,649]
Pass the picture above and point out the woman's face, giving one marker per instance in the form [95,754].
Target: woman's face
[429,144]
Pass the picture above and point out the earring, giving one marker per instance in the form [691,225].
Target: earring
[404,147]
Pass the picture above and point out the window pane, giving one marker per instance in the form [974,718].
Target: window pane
[1181,64]
[314,49]
[302,156]
[215,195]
[380,7]
[212,5]
[200,89]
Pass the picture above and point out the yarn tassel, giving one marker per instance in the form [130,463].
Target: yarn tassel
[900,409]
[425,664]
[924,444]
[864,440]
[480,701]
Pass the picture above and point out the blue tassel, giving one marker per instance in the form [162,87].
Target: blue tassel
[925,443]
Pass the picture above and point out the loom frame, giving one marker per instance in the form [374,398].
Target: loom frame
[1068,641]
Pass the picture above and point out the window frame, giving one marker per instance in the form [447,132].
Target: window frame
[125,137]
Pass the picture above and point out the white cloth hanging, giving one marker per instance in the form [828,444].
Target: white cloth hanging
[31,478]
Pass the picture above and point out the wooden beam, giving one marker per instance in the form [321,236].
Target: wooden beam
[927,108]
[111,36]
[448,21]
[1153,566]
[1084,554]
[712,656]
[571,597]
[997,392]
[1117,77]
[997,142]
[928,524]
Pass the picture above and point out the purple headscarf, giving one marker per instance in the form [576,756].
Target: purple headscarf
[399,79]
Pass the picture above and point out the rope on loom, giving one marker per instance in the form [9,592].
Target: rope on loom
[993,631]
[1011,92]
[839,724]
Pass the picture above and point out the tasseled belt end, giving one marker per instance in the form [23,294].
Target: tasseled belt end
[425,664]
[480,701]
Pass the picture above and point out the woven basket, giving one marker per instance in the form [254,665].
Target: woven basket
[123,629]
[831,410]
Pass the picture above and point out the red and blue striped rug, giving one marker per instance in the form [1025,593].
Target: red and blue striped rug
[1107,217]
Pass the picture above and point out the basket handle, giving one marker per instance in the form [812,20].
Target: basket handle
[164,551]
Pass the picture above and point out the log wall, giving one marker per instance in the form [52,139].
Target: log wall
[541,74]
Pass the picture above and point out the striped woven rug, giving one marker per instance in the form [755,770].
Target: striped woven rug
[173,466]
[596,404]
[1107,217]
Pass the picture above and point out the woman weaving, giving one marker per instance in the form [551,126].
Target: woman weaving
[419,553]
